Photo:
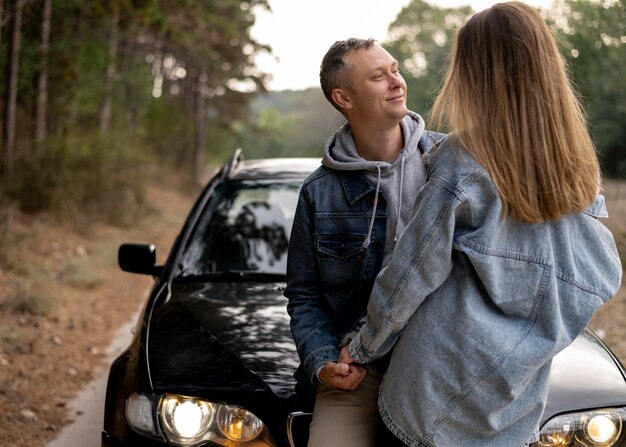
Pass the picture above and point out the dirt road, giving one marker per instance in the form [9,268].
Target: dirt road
[87,408]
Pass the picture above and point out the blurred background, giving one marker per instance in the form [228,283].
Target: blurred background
[115,85]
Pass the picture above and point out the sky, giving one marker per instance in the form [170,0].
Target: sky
[300,32]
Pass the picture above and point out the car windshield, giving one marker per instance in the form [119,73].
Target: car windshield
[244,229]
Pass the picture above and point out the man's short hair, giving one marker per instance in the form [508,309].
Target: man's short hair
[332,69]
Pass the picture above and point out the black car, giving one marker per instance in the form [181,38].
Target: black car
[212,357]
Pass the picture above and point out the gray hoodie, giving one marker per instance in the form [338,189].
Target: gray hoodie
[399,180]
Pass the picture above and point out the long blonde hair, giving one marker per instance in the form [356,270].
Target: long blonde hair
[508,98]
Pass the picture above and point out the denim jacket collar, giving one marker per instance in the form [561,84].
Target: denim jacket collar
[597,208]
[355,185]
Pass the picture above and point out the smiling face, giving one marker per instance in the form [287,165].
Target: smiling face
[376,94]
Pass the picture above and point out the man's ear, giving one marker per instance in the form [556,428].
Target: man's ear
[341,99]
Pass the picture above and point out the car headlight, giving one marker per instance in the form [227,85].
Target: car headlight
[598,428]
[189,421]
[140,414]
[186,418]
[238,424]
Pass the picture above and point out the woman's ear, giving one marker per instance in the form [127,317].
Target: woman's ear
[341,99]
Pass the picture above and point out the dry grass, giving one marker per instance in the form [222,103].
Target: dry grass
[62,297]
[610,320]
[615,194]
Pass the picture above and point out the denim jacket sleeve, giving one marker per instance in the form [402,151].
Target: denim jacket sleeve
[310,318]
[420,264]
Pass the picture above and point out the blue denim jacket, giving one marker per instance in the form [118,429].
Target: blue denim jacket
[329,272]
[477,307]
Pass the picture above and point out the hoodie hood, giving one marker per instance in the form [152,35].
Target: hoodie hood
[340,151]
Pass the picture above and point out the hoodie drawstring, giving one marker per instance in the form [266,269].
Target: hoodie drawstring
[366,242]
[399,216]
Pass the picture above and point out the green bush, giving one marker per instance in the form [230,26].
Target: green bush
[78,275]
[7,211]
[33,296]
[83,178]
[165,130]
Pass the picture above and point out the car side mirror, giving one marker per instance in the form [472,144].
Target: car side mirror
[138,258]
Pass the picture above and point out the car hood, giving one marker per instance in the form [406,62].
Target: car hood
[219,338]
[215,337]
[585,375]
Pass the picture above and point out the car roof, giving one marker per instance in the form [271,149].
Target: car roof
[272,168]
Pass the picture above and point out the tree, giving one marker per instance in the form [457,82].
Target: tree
[113,42]
[421,40]
[10,105]
[84,75]
[1,16]
[42,83]
[593,36]
[204,59]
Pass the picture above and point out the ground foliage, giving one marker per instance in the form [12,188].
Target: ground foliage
[62,298]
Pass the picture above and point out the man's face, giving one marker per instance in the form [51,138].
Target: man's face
[377,94]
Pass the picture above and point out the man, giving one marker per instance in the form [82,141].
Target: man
[350,212]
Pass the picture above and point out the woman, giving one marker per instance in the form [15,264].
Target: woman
[504,261]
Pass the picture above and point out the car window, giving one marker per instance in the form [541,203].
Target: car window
[245,227]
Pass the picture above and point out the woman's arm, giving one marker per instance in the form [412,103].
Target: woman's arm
[420,264]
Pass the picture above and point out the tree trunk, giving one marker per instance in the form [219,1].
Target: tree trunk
[42,84]
[1,17]
[105,111]
[10,105]
[184,150]
[197,159]
[127,52]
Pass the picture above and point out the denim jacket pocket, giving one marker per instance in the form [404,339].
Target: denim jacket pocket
[340,260]
[340,247]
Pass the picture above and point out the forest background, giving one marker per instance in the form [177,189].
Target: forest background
[93,92]
[96,95]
